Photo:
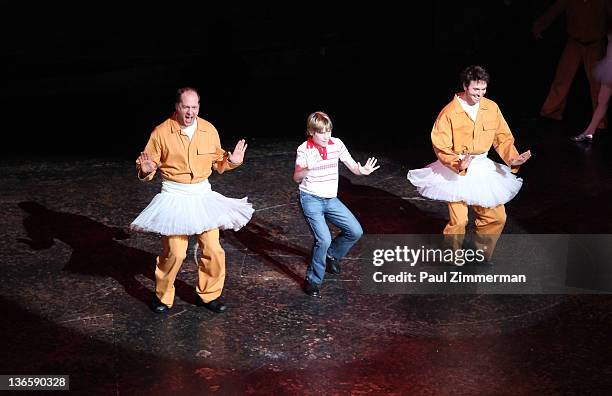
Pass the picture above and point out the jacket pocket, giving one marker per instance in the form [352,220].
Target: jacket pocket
[488,125]
[206,149]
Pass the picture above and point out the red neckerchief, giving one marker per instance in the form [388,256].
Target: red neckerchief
[322,150]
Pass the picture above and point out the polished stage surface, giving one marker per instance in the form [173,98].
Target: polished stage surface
[76,283]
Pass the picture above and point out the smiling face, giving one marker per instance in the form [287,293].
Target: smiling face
[474,92]
[187,109]
[319,128]
[321,138]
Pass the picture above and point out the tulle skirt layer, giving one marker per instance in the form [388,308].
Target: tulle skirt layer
[602,71]
[486,183]
[188,209]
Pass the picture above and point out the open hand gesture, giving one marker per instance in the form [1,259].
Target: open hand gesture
[237,156]
[369,167]
[147,165]
[521,159]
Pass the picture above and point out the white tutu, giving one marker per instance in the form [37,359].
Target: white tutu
[486,183]
[188,209]
[602,70]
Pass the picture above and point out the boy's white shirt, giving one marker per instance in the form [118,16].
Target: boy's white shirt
[322,181]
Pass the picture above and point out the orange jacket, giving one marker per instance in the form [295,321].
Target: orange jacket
[455,133]
[182,160]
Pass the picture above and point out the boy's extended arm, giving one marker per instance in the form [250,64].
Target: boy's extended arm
[299,173]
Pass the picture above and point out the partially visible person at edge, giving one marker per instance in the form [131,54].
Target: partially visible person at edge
[602,72]
[186,149]
[463,175]
[586,33]
[316,171]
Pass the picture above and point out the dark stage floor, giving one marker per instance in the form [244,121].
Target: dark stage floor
[76,284]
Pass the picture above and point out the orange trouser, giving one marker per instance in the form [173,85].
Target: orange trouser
[211,266]
[573,55]
[489,225]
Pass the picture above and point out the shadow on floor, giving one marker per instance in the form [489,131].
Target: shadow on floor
[381,212]
[264,240]
[95,250]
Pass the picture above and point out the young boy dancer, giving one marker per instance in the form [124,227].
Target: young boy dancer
[316,169]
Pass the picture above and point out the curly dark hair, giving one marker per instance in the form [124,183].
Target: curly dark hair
[474,73]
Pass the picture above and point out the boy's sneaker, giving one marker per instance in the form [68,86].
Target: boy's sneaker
[311,289]
[332,265]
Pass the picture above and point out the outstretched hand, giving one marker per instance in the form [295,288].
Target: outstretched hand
[521,159]
[237,156]
[147,165]
[369,167]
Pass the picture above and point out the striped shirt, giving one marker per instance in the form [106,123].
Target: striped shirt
[322,181]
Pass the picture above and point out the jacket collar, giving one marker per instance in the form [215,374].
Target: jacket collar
[175,127]
[322,150]
[484,104]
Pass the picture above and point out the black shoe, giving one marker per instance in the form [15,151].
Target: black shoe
[158,307]
[311,289]
[215,305]
[332,265]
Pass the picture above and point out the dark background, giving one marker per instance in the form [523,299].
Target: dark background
[93,79]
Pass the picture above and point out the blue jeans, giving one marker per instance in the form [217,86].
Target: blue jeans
[316,211]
